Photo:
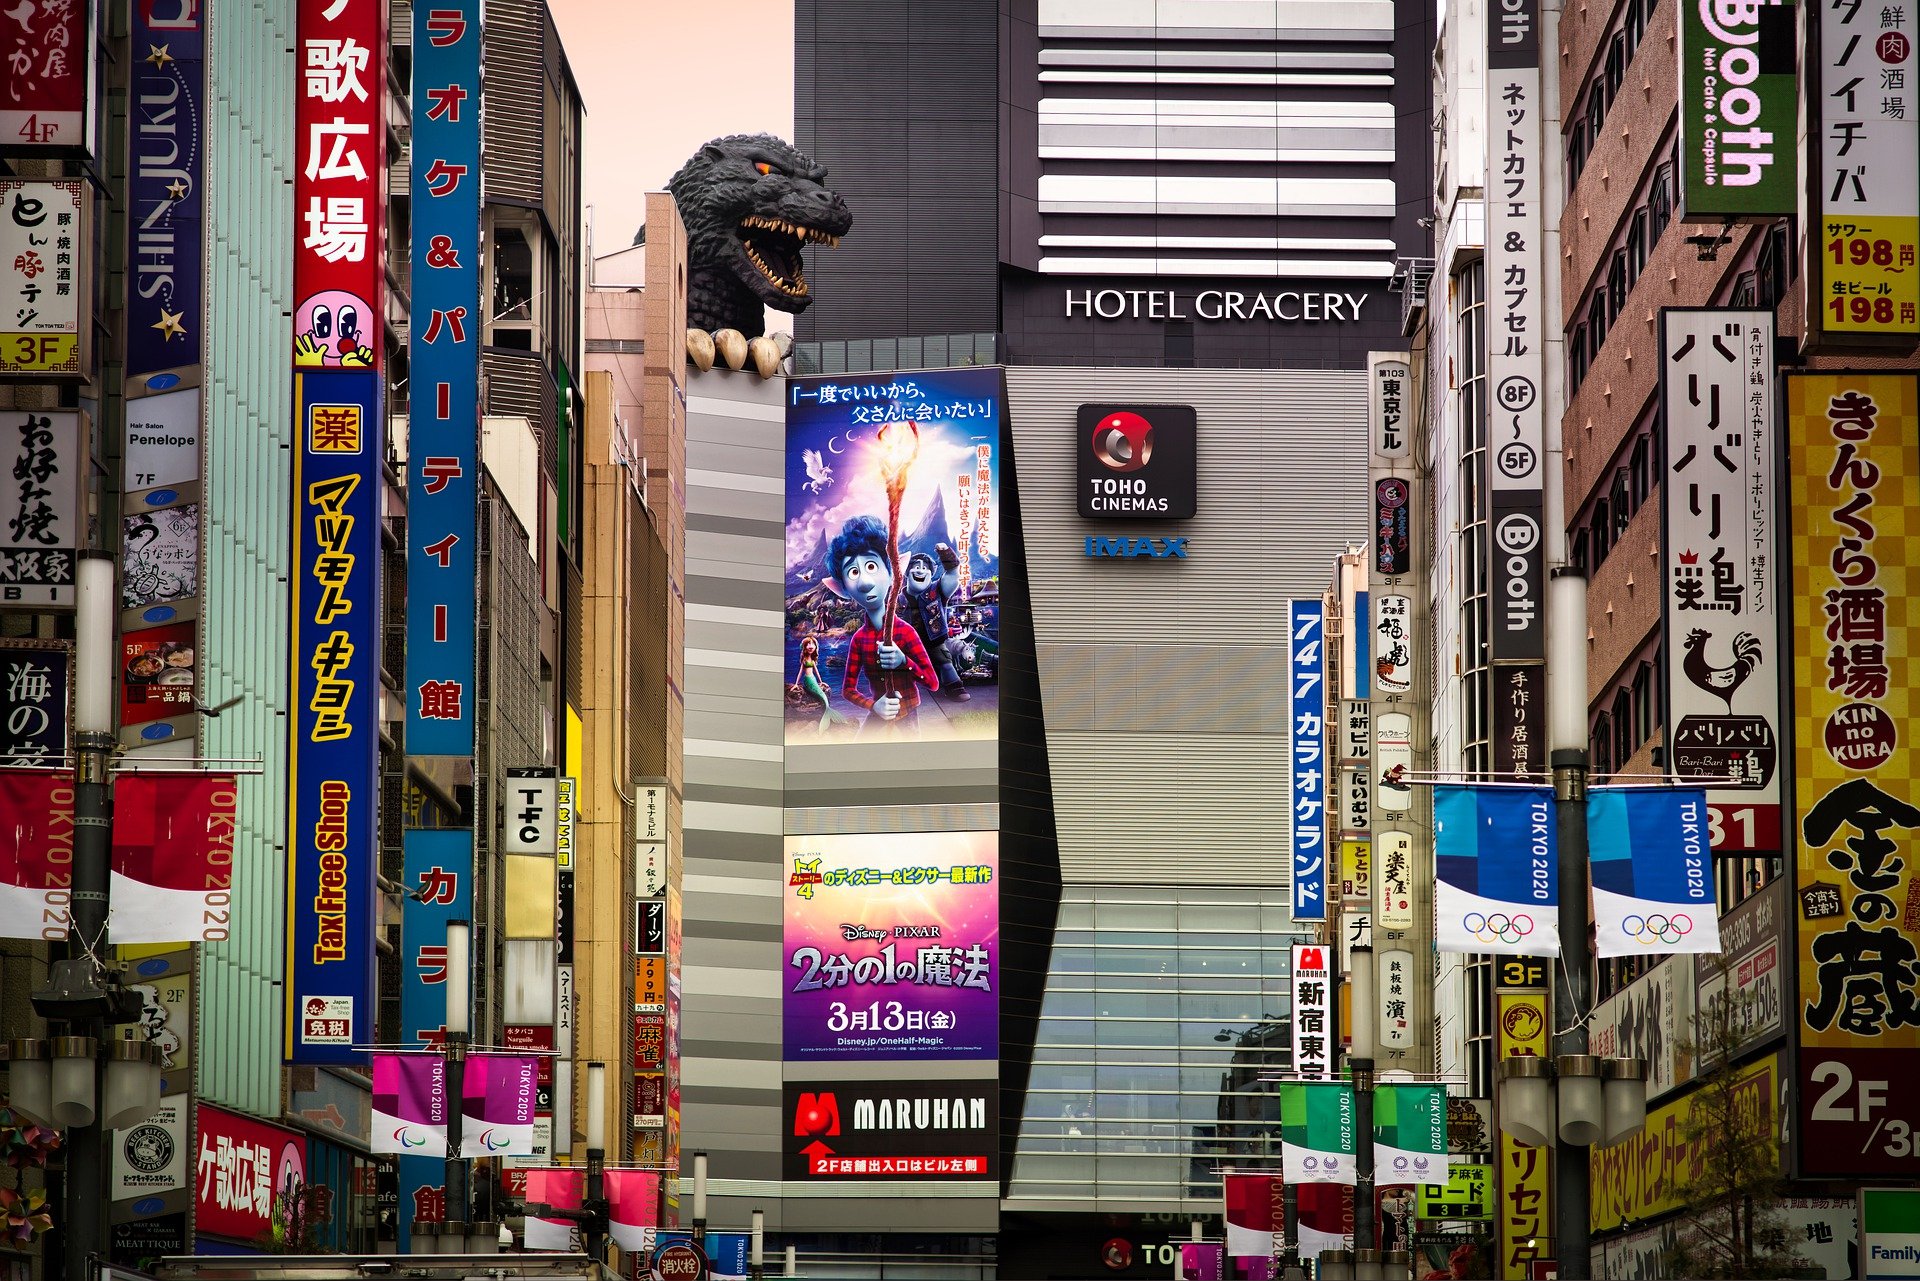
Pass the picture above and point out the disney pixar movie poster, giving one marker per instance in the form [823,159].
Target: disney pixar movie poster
[893,556]
[892,946]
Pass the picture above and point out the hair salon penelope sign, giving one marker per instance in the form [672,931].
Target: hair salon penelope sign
[1286,305]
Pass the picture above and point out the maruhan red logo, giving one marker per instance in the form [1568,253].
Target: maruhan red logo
[817,1116]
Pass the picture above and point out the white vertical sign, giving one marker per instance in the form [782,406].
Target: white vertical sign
[1393,875]
[1312,1013]
[1516,331]
[533,816]
[1393,645]
[1392,396]
[1721,587]
[1395,985]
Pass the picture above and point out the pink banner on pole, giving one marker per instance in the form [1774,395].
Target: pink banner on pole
[561,1189]
[633,1206]
[36,854]
[410,1104]
[172,858]
[496,1100]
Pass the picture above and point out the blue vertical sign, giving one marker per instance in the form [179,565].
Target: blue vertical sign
[437,874]
[167,131]
[333,751]
[1307,703]
[443,419]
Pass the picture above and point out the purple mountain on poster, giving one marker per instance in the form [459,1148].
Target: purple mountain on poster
[929,533]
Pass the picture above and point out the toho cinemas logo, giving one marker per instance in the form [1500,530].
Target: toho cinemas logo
[1136,462]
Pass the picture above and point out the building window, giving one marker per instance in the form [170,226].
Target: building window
[1744,290]
[1644,713]
[1602,747]
[1596,328]
[1624,742]
[1602,531]
[1617,286]
[1636,246]
[1640,468]
[1616,64]
[1622,509]
[1471,349]
[516,286]
[1660,201]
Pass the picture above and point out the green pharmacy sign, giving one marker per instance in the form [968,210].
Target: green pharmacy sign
[1737,109]
[1317,1133]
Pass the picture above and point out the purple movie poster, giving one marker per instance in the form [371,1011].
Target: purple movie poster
[893,556]
[892,946]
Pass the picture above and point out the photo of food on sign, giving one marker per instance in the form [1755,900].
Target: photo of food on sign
[892,567]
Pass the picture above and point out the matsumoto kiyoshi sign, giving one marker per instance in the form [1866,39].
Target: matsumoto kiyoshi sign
[1290,306]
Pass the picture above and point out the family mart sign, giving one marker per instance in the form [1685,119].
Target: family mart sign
[1889,1232]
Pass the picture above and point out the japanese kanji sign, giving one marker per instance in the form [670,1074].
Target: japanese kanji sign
[1854,462]
[245,1172]
[1313,1030]
[443,423]
[1516,332]
[1864,217]
[166,286]
[1525,1209]
[46,47]
[1721,593]
[892,946]
[44,246]
[43,465]
[1395,985]
[437,876]
[1737,106]
[36,685]
[333,755]
[339,184]
[1307,695]
[1392,399]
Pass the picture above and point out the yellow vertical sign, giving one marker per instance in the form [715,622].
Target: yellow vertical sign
[1524,1210]
[1854,467]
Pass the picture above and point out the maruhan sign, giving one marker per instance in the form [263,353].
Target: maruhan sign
[1311,307]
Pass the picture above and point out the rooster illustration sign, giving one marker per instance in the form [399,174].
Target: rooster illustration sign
[1721,682]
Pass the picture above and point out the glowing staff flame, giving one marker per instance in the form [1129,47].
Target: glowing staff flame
[899,444]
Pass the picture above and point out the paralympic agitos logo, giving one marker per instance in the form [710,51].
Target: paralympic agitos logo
[1137,462]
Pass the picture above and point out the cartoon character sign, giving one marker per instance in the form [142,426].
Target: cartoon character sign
[332,330]
[892,582]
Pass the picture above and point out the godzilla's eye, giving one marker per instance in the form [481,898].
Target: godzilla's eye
[763,166]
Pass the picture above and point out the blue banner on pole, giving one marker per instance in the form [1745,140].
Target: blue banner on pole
[334,745]
[1498,859]
[443,418]
[1652,871]
[1307,695]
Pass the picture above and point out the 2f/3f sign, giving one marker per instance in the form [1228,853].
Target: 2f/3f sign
[1856,1120]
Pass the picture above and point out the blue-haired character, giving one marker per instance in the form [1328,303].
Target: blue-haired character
[858,565]
[929,594]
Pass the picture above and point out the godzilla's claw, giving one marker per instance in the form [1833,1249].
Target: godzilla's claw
[732,346]
[700,349]
[765,356]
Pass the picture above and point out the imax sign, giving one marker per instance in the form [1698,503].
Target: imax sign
[1123,548]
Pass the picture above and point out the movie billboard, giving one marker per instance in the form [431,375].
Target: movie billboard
[893,556]
[892,946]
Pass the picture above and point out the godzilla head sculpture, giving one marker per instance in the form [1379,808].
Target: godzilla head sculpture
[750,203]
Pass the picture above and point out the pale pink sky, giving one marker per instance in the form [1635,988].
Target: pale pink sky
[659,78]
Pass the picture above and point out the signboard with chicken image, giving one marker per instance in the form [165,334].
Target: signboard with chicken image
[1721,594]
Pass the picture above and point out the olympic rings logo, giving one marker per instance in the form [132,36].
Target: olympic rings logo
[1498,927]
[1658,929]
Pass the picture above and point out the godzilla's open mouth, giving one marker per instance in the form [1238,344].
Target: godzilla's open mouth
[773,247]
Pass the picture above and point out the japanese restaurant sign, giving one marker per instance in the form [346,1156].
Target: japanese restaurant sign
[1721,590]
[44,245]
[1864,219]
[43,466]
[1854,463]
[47,49]
[443,422]
[36,701]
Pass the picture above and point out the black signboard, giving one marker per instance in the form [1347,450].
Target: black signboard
[144,1242]
[1138,462]
[36,685]
[849,1130]
[1520,722]
[1392,527]
[650,927]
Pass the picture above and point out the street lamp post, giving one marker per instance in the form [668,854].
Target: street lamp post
[596,1199]
[1360,1063]
[700,1200]
[459,983]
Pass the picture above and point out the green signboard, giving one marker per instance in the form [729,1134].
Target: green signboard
[1738,105]
[1467,1194]
[1889,1232]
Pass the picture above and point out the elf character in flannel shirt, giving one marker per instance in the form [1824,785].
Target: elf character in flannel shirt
[858,565]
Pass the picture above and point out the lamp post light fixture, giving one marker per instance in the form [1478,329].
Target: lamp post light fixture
[757,1247]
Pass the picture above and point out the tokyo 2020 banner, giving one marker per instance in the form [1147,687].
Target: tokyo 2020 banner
[893,556]
[893,946]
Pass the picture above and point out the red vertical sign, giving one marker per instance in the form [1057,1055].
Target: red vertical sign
[339,184]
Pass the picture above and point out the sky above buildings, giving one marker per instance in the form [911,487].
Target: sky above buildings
[661,78]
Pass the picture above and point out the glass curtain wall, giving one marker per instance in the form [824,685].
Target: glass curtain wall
[1167,1012]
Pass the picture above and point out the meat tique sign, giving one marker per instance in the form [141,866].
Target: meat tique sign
[1721,589]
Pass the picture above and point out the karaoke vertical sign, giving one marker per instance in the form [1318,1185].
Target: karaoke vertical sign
[334,742]
[1307,688]
[443,422]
